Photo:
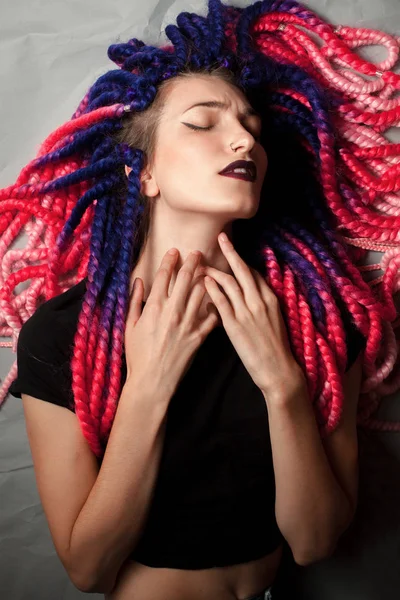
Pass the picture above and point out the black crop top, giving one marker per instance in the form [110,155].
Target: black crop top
[214,499]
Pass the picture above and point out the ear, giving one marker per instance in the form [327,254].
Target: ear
[148,186]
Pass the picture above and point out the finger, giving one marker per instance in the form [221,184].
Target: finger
[230,286]
[184,280]
[220,300]
[265,291]
[241,271]
[195,299]
[162,279]
[209,323]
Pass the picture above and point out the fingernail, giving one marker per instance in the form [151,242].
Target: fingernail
[223,237]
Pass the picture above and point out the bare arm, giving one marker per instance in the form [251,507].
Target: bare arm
[311,507]
[112,518]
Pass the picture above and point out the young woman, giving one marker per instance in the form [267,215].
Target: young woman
[210,420]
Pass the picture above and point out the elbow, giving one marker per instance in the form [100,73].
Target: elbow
[309,558]
[323,550]
[89,581]
[320,550]
[316,554]
[90,588]
[79,580]
[87,585]
[105,585]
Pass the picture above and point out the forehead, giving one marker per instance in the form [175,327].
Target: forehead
[188,91]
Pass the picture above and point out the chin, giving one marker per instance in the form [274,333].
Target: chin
[250,210]
[244,208]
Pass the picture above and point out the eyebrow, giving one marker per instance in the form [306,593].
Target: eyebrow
[249,111]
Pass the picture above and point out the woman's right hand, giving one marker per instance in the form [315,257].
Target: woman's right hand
[161,339]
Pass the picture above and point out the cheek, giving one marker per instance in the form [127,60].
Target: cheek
[264,169]
[265,161]
[184,179]
[179,157]
[185,163]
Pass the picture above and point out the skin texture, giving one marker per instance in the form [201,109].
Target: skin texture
[191,202]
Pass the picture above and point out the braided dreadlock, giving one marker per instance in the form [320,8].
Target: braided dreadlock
[322,120]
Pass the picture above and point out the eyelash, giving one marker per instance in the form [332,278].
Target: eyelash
[196,128]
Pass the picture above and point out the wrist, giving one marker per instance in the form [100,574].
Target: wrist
[145,391]
[285,390]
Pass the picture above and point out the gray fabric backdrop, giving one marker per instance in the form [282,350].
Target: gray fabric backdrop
[51,51]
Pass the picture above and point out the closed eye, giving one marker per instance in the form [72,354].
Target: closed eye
[196,128]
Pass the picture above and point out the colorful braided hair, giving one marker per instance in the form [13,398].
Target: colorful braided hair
[325,112]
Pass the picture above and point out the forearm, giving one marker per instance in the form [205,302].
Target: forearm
[110,523]
[310,504]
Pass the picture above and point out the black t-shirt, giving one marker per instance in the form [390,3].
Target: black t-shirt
[214,500]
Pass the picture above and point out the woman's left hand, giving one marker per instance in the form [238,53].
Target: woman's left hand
[251,316]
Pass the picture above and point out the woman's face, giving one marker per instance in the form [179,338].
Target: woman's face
[185,171]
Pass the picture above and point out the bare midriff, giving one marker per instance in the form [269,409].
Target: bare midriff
[237,582]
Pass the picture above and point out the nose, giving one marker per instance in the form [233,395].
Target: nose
[244,140]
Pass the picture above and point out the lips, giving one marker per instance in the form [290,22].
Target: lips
[244,176]
[249,165]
